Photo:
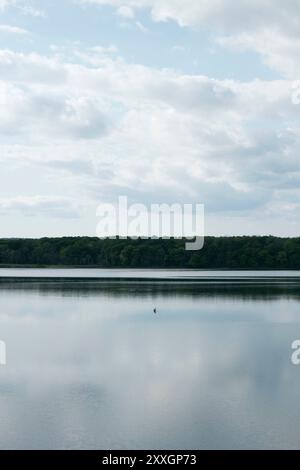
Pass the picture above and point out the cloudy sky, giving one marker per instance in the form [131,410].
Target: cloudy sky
[160,100]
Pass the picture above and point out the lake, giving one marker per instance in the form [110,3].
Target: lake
[90,366]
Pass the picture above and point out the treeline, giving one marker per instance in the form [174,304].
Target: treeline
[218,253]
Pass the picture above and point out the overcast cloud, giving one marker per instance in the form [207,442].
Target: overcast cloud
[88,113]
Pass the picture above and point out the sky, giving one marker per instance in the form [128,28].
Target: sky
[163,101]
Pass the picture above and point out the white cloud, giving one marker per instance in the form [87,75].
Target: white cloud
[268,27]
[40,206]
[157,136]
[178,48]
[125,12]
[30,68]
[54,114]
[105,127]
[4,28]
[141,27]
[277,50]
[24,6]
[6,3]
[32,11]
[218,14]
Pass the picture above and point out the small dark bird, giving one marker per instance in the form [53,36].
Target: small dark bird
[155,311]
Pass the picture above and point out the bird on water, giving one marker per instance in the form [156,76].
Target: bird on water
[155,311]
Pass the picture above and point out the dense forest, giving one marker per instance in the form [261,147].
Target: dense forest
[218,252]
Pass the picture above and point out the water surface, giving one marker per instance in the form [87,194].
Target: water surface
[90,366]
[92,273]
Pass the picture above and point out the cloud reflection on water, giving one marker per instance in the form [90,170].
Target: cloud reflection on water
[99,370]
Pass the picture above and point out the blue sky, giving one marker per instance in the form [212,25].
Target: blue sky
[162,44]
[160,100]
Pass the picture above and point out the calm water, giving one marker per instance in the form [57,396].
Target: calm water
[90,366]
